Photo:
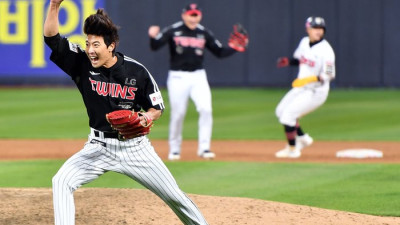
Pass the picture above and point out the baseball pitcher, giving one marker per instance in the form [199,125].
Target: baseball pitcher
[122,101]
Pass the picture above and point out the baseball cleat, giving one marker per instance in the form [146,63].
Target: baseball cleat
[303,141]
[288,152]
[207,154]
[174,156]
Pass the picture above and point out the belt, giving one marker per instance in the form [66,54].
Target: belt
[101,134]
[106,134]
[186,70]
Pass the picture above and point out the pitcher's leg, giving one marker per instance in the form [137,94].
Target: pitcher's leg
[75,172]
[143,165]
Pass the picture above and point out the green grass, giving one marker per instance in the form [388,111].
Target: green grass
[247,114]
[363,188]
[42,113]
[365,114]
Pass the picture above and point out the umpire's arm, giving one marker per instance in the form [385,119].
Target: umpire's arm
[51,23]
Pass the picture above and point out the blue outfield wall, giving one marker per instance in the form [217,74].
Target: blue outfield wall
[363,33]
[24,57]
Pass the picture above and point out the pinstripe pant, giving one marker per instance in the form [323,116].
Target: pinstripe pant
[135,158]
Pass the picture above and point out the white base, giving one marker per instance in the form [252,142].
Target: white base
[359,153]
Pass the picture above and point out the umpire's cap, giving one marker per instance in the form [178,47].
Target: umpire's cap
[192,9]
[315,22]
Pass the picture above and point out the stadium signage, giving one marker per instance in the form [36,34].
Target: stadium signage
[21,33]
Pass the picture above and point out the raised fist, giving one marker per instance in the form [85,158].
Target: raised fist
[153,31]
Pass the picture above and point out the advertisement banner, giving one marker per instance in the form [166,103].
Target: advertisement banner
[23,51]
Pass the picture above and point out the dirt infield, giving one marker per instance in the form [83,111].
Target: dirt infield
[128,206]
[251,151]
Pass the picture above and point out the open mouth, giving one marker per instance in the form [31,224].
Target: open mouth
[94,59]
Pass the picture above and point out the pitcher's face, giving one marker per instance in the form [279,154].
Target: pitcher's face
[98,52]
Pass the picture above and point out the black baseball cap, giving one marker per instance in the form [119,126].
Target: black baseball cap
[192,9]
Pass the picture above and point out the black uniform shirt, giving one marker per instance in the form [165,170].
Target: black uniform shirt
[187,46]
[125,85]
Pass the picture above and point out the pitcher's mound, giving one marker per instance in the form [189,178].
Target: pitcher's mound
[98,206]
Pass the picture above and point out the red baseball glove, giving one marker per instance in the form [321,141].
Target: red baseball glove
[239,38]
[129,124]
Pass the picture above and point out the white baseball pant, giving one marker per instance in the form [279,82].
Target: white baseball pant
[182,85]
[299,102]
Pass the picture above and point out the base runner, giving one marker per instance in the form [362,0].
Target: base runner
[316,61]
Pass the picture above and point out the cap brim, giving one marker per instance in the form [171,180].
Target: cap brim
[193,11]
